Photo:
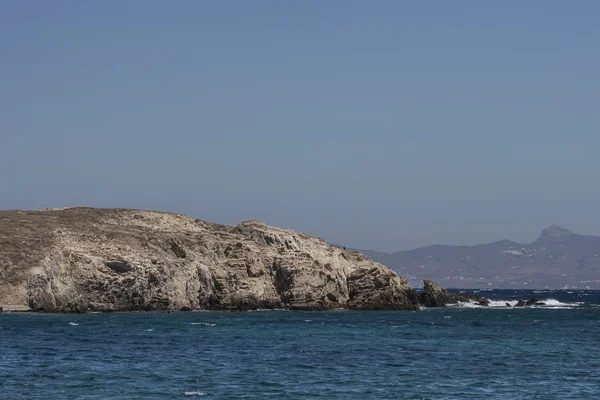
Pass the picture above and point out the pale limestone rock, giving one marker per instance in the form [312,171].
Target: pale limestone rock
[78,259]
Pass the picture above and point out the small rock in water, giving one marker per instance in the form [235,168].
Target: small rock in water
[531,302]
[435,296]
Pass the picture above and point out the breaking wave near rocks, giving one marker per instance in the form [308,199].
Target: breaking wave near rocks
[548,299]
[549,303]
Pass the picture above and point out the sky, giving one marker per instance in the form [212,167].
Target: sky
[383,125]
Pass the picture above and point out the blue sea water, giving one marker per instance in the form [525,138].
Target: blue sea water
[462,352]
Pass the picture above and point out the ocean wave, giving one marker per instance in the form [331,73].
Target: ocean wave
[556,303]
[194,393]
[492,304]
[73,323]
[203,323]
[548,303]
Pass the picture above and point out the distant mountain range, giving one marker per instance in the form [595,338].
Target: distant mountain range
[558,259]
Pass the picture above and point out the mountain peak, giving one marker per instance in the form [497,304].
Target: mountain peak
[554,231]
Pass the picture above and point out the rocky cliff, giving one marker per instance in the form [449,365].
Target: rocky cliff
[79,259]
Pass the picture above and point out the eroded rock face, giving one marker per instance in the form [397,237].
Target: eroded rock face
[433,295]
[80,259]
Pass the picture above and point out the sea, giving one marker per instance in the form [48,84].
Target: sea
[459,352]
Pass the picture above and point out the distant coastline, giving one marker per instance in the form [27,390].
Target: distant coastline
[558,259]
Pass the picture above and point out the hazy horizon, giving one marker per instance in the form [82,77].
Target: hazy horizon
[381,126]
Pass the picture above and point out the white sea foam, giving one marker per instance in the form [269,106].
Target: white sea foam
[465,305]
[202,323]
[502,303]
[73,323]
[548,303]
[194,393]
[149,330]
[556,303]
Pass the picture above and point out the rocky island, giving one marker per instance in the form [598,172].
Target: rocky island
[89,259]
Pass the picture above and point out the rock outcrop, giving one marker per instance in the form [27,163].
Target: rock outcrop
[435,296]
[553,232]
[86,259]
[530,302]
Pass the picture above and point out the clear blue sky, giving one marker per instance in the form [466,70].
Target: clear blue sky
[375,124]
